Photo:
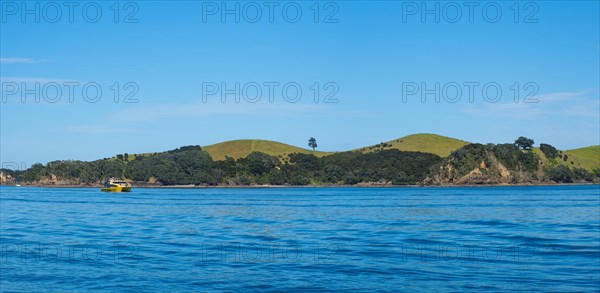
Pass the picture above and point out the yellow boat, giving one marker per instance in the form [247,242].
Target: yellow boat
[116,185]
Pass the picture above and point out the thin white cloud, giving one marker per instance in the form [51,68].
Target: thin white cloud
[582,104]
[96,129]
[519,111]
[42,80]
[89,129]
[563,96]
[200,110]
[18,60]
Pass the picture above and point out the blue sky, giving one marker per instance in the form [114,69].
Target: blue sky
[368,52]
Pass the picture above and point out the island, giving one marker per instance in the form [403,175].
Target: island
[419,159]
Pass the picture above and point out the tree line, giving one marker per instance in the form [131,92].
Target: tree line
[191,165]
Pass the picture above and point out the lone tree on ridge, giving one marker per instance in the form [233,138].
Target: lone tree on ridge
[312,142]
[524,143]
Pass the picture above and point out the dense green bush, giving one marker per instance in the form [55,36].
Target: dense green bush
[192,165]
[549,151]
[258,163]
[513,158]
[468,157]
[560,174]
[581,174]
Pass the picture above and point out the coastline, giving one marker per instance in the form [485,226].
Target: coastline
[315,186]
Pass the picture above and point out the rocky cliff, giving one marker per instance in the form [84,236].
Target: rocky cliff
[487,164]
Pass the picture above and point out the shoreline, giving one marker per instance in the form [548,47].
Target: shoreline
[317,186]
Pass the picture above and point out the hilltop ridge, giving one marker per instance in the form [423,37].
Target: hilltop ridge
[425,143]
[241,148]
[421,142]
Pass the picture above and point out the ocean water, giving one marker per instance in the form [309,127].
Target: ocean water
[484,239]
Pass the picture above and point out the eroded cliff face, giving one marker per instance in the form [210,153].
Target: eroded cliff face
[54,180]
[6,179]
[478,164]
[493,173]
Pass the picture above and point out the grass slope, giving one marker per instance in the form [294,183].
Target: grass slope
[243,147]
[423,142]
[426,143]
[587,157]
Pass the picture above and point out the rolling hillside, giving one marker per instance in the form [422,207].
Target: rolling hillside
[243,147]
[587,157]
[423,142]
[426,143]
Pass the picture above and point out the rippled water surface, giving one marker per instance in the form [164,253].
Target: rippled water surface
[292,239]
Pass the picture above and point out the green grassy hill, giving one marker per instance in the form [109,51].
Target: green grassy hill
[426,143]
[422,142]
[587,157]
[243,147]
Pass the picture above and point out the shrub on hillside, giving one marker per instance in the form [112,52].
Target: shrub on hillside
[560,174]
[549,151]
[581,174]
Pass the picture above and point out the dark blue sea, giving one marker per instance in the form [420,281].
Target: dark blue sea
[485,239]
